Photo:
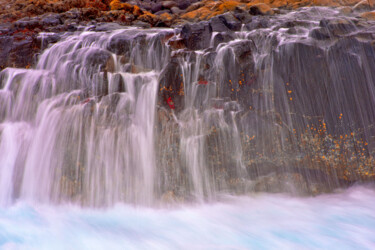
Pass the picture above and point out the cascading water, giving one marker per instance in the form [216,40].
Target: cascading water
[193,114]
[87,120]
[123,116]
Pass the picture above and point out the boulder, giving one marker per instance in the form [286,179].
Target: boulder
[260,9]
[161,12]
[231,21]
[219,24]
[141,24]
[337,26]
[242,15]
[258,22]
[156,7]
[175,10]
[197,36]
[121,43]
[319,34]
[222,37]
[27,23]
[101,59]
[51,20]
[168,4]
[183,4]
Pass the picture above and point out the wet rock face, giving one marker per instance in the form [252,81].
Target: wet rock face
[171,86]
[306,77]
[314,78]
[337,27]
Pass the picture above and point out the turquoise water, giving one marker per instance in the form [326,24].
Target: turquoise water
[345,220]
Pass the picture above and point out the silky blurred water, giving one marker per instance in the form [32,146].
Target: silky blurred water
[345,220]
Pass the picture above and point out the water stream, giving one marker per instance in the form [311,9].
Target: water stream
[112,119]
[340,221]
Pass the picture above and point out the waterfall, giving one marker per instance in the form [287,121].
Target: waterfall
[282,104]
[80,126]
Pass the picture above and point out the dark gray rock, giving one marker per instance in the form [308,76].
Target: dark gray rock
[231,21]
[22,53]
[196,36]
[141,24]
[44,40]
[175,10]
[6,28]
[242,15]
[168,4]
[320,33]
[101,59]
[5,48]
[219,24]
[71,15]
[337,27]
[116,84]
[108,26]
[51,20]
[183,4]
[162,12]
[27,23]
[258,22]
[222,37]
[121,43]
[156,7]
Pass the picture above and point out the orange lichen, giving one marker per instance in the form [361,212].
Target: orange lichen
[211,9]
[118,5]
[228,6]
[137,11]
[165,17]
[369,15]
[147,17]
[98,4]
[115,5]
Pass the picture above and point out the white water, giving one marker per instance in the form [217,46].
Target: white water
[338,221]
